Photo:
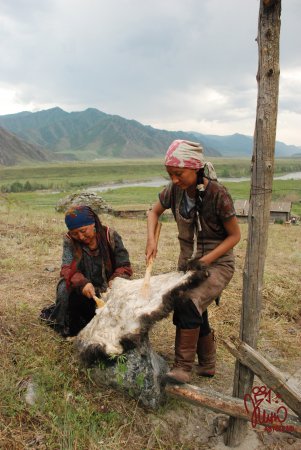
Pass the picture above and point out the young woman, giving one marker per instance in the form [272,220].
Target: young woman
[208,231]
[93,255]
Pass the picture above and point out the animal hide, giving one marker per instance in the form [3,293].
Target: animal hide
[127,316]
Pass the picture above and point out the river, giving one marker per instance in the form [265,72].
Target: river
[158,182]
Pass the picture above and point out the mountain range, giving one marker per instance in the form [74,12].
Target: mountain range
[13,150]
[55,134]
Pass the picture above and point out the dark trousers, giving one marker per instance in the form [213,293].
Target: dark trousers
[81,311]
[187,316]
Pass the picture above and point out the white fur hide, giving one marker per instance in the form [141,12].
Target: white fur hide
[126,312]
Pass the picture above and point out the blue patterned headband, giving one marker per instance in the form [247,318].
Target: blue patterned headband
[79,216]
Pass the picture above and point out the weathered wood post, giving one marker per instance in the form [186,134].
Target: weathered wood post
[260,197]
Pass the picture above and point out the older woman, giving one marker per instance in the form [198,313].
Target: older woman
[208,230]
[93,255]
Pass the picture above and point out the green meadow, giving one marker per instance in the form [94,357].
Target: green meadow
[41,186]
[78,175]
[66,176]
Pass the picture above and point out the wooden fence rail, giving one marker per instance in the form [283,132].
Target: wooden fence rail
[233,407]
[269,374]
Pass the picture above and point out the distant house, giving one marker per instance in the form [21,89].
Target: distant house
[129,213]
[279,211]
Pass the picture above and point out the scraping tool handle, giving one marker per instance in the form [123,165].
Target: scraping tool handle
[99,302]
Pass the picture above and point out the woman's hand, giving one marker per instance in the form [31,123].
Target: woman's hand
[88,290]
[151,249]
[206,259]
[152,220]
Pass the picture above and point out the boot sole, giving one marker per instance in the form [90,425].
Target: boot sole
[171,380]
[206,375]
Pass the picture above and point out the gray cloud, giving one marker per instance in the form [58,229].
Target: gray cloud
[169,64]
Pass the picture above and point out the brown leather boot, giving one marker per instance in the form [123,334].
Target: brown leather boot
[206,351]
[185,350]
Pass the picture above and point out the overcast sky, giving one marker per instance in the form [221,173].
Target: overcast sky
[173,64]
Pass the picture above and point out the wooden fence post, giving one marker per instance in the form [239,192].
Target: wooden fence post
[260,197]
[269,374]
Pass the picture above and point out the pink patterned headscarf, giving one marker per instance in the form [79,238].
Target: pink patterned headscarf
[185,154]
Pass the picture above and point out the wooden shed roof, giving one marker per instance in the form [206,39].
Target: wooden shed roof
[242,207]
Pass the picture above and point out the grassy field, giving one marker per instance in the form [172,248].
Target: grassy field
[143,197]
[81,174]
[283,190]
[77,175]
[41,186]
[69,412]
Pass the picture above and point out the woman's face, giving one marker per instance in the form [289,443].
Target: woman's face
[182,177]
[85,234]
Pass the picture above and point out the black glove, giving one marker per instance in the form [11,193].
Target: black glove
[199,271]
[197,265]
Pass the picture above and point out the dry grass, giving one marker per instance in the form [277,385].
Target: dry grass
[70,412]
